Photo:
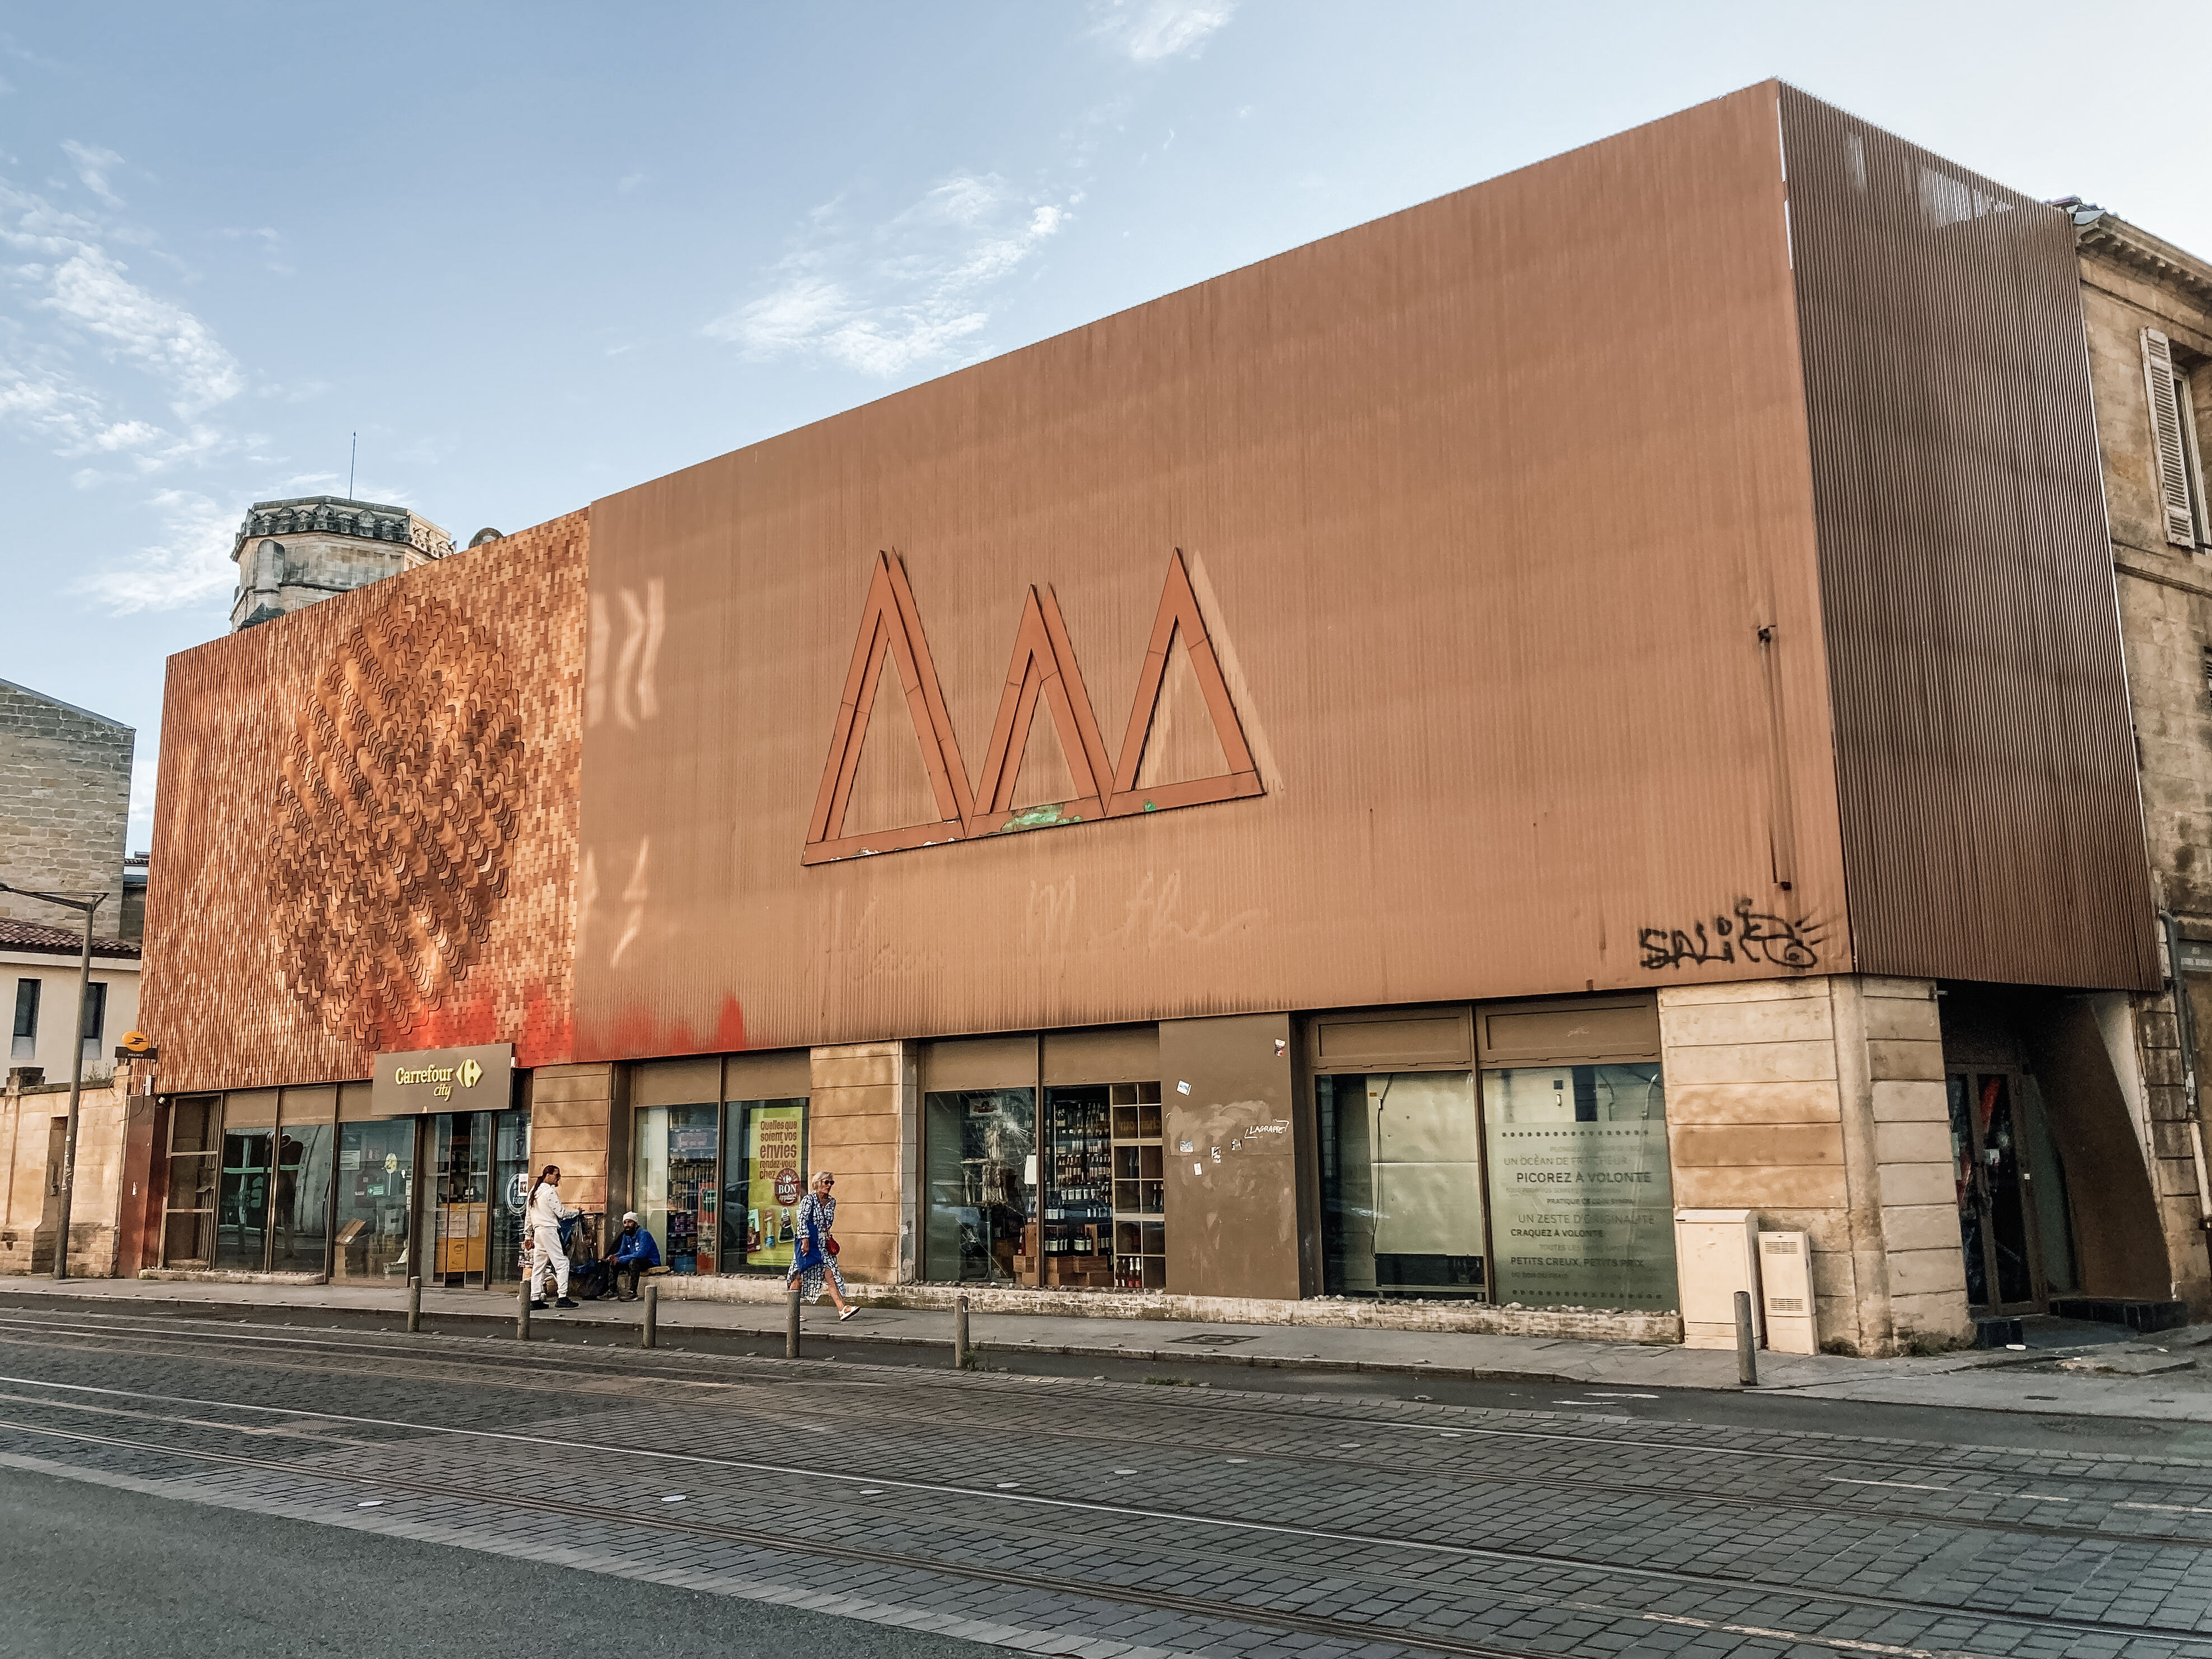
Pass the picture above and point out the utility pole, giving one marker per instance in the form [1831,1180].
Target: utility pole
[76,1060]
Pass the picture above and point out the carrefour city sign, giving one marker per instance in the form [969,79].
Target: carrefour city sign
[479,1079]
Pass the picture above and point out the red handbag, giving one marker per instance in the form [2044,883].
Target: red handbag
[829,1244]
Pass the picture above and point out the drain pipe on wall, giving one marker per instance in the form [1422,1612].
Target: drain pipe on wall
[2184,1017]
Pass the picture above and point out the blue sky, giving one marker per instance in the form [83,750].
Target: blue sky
[534,253]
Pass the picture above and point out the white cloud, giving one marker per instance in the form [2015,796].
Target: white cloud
[1147,31]
[191,563]
[93,164]
[908,292]
[90,288]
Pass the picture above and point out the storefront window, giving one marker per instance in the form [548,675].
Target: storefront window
[675,1182]
[376,1195]
[980,1156]
[1582,1203]
[242,1219]
[763,1178]
[1401,1184]
[300,1222]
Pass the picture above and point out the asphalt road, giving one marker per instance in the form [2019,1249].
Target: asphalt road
[317,1490]
[94,1572]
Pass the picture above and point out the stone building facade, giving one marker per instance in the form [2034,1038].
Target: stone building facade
[2147,306]
[64,804]
[292,553]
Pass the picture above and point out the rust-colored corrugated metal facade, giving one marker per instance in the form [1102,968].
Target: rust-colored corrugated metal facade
[1546,557]
[1489,500]
[1983,757]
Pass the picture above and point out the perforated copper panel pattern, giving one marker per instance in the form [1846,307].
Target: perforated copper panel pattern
[367,824]
[1985,765]
[397,811]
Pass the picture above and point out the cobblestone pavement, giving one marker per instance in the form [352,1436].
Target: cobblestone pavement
[1102,1519]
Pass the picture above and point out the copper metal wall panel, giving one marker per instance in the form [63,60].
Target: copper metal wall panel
[1484,505]
[1983,755]
[368,825]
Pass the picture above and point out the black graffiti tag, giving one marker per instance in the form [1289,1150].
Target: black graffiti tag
[1743,934]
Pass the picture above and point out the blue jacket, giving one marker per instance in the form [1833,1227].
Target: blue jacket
[636,1248]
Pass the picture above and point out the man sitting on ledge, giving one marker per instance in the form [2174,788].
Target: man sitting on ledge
[635,1252]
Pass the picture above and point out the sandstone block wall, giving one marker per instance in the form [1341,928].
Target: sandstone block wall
[1820,1103]
[572,1110]
[64,804]
[30,1144]
[862,1125]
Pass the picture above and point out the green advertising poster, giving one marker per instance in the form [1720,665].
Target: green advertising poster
[774,1183]
[1582,1210]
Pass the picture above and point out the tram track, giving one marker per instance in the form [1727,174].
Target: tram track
[1863,1513]
[2188,1644]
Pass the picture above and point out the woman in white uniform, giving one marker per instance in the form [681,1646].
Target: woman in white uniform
[543,1216]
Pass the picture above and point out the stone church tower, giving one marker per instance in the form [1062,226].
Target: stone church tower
[292,553]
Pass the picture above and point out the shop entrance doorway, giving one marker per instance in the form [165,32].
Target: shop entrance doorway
[480,1165]
[2011,1193]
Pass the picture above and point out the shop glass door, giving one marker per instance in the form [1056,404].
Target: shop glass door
[1401,1185]
[460,1151]
[241,1235]
[188,1219]
[510,1192]
[1994,1183]
[980,1159]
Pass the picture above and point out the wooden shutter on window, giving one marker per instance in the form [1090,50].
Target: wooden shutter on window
[2169,453]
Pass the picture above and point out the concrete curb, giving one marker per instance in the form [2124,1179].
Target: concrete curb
[216,1310]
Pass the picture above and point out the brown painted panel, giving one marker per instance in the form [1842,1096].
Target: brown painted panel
[1984,760]
[782,1074]
[249,1109]
[1232,1200]
[1114,1053]
[693,1082]
[1584,1031]
[356,1102]
[310,1105]
[1001,1062]
[1482,506]
[1391,1039]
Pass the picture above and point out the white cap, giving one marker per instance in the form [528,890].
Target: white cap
[629,1215]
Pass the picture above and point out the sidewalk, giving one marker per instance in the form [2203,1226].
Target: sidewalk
[2072,1369]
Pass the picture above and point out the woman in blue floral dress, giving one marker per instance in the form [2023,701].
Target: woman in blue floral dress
[815,1263]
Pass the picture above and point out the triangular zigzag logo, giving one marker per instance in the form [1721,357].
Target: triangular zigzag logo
[1043,666]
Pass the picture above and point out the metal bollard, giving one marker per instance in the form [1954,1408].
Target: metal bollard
[961,1357]
[414,1306]
[1746,1348]
[522,1311]
[791,1327]
[648,1334]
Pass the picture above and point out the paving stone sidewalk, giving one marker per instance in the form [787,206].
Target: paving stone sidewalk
[2073,1368]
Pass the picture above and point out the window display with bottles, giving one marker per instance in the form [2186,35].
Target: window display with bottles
[763,1178]
[1141,1247]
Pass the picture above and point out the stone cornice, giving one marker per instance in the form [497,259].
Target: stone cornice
[333,515]
[2131,245]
